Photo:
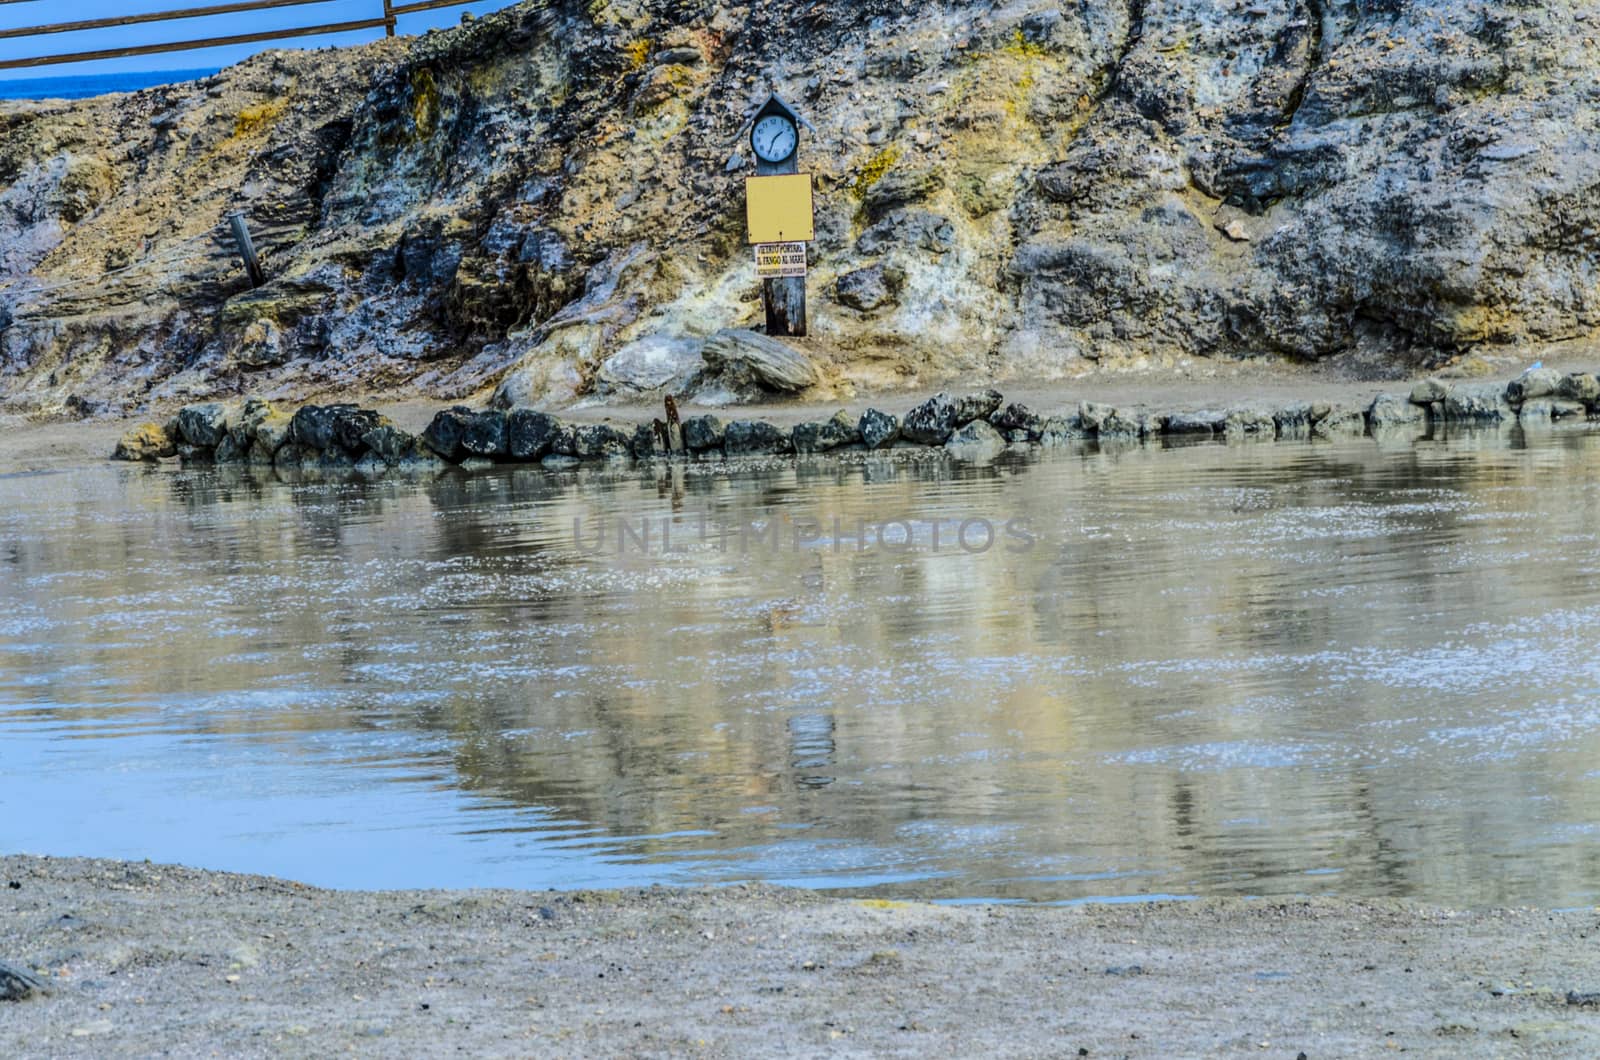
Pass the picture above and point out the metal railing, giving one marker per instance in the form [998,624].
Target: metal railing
[391,12]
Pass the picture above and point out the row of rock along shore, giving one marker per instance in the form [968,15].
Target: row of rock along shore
[968,426]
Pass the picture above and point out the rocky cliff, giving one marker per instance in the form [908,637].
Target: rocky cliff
[547,203]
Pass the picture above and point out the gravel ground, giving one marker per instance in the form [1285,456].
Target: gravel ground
[142,959]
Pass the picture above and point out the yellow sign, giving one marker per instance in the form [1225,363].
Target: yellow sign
[780,259]
[778,209]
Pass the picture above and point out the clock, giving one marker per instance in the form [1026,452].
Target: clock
[774,138]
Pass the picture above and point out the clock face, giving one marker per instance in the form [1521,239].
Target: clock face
[774,138]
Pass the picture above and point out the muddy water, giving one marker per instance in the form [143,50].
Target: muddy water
[1278,669]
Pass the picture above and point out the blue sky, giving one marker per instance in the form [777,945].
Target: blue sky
[40,12]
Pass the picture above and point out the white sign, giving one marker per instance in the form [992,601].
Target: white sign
[780,259]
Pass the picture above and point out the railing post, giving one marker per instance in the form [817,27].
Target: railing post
[388,18]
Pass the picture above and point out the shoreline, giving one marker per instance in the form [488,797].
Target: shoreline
[1260,394]
[141,959]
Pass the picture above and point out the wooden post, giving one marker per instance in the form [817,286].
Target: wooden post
[247,249]
[388,18]
[783,296]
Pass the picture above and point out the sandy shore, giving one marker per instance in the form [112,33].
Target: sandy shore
[144,960]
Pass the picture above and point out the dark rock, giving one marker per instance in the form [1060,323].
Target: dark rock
[976,440]
[530,433]
[243,424]
[565,441]
[1534,383]
[1478,403]
[1062,430]
[1202,421]
[350,425]
[272,432]
[1292,420]
[443,434]
[900,186]
[420,457]
[1249,422]
[18,985]
[1018,417]
[203,425]
[337,458]
[599,440]
[702,432]
[194,454]
[390,443]
[647,442]
[484,434]
[292,456]
[313,426]
[870,288]
[1561,409]
[1579,386]
[754,437]
[828,434]
[1393,411]
[1152,424]
[1109,421]
[1092,413]
[981,406]
[1428,391]
[1340,421]
[932,422]
[228,451]
[918,230]
[878,429]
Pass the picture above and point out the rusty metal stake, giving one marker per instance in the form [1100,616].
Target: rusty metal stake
[247,249]
[674,427]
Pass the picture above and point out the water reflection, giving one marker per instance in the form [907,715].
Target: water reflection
[1365,668]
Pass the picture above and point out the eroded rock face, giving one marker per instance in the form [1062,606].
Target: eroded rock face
[1012,189]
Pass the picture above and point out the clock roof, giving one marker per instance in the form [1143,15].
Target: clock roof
[774,105]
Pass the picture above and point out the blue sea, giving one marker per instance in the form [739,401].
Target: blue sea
[85,85]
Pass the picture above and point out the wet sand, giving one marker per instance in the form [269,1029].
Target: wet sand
[145,960]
